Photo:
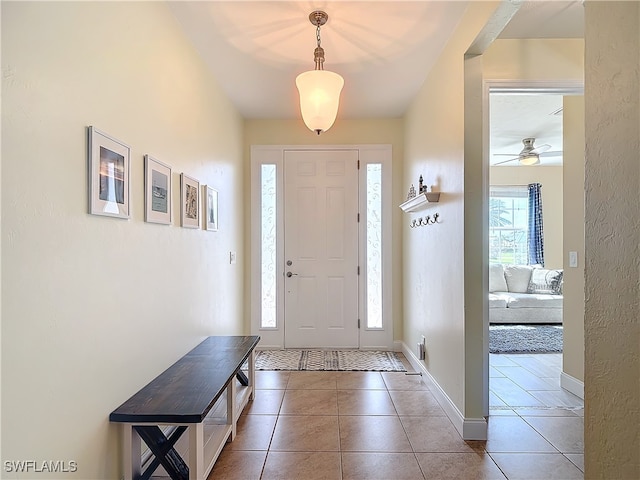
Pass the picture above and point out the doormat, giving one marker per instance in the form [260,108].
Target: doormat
[525,338]
[344,360]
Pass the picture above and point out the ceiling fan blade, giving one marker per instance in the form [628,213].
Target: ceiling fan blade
[505,161]
[506,154]
[556,153]
[540,149]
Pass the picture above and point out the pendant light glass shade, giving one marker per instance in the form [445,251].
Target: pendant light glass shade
[319,98]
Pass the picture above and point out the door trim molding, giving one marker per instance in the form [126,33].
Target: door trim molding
[273,338]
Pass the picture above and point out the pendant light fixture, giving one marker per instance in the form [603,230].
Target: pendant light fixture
[319,89]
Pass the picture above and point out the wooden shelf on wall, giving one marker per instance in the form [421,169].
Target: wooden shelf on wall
[420,201]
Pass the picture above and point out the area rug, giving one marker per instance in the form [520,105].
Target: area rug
[347,360]
[525,338]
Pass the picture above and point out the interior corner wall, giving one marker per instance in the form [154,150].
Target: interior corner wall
[612,242]
[343,132]
[573,239]
[95,307]
[550,177]
[434,257]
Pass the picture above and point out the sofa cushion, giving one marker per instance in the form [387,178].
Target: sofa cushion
[498,300]
[497,283]
[517,277]
[545,281]
[534,300]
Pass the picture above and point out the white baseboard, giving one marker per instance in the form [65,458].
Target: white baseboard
[383,348]
[572,384]
[269,347]
[468,428]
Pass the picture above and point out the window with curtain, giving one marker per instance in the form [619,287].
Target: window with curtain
[515,225]
[508,218]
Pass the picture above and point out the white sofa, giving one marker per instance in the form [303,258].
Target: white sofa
[524,294]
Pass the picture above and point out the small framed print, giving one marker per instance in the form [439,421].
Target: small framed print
[189,201]
[210,208]
[109,175]
[157,191]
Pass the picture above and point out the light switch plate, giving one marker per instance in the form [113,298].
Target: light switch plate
[573,259]
[232,258]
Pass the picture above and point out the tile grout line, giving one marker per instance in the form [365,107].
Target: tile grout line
[339,435]
[266,457]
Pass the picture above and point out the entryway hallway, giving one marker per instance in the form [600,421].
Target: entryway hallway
[384,425]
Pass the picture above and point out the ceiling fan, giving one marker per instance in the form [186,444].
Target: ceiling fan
[530,154]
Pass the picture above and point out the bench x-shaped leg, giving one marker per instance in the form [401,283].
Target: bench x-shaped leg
[242,378]
[164,451]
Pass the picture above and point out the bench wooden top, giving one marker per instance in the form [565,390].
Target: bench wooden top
[188,389]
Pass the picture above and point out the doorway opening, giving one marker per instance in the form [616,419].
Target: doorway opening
[526,249]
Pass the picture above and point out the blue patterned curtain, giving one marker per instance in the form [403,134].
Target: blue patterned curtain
[535,241]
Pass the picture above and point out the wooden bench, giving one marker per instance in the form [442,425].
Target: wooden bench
[188,397]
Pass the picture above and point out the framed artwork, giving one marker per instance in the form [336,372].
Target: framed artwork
[109,175]
[189,201]
[210,208]
[157,191]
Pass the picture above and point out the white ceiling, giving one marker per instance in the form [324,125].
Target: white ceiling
[513,117]
[383,49]
[546,19]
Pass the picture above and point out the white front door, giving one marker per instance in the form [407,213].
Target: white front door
[321,248]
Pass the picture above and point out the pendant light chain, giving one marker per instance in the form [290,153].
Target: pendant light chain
[318,54]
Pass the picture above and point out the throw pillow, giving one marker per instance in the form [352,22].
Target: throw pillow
[557,281]
[518,277]
[497,283]
[545,281]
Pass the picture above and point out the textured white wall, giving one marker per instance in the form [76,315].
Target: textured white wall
[95,307]
[612,246]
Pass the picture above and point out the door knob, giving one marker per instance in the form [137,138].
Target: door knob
[289,274]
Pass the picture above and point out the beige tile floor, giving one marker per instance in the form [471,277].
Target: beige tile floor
[383,425]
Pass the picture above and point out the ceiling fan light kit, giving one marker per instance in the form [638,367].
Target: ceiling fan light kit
[319,89]
[529,159]
[530,154]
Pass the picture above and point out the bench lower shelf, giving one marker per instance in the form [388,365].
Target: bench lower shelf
[200,445]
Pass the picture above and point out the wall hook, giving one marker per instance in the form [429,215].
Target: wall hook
[424,221]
